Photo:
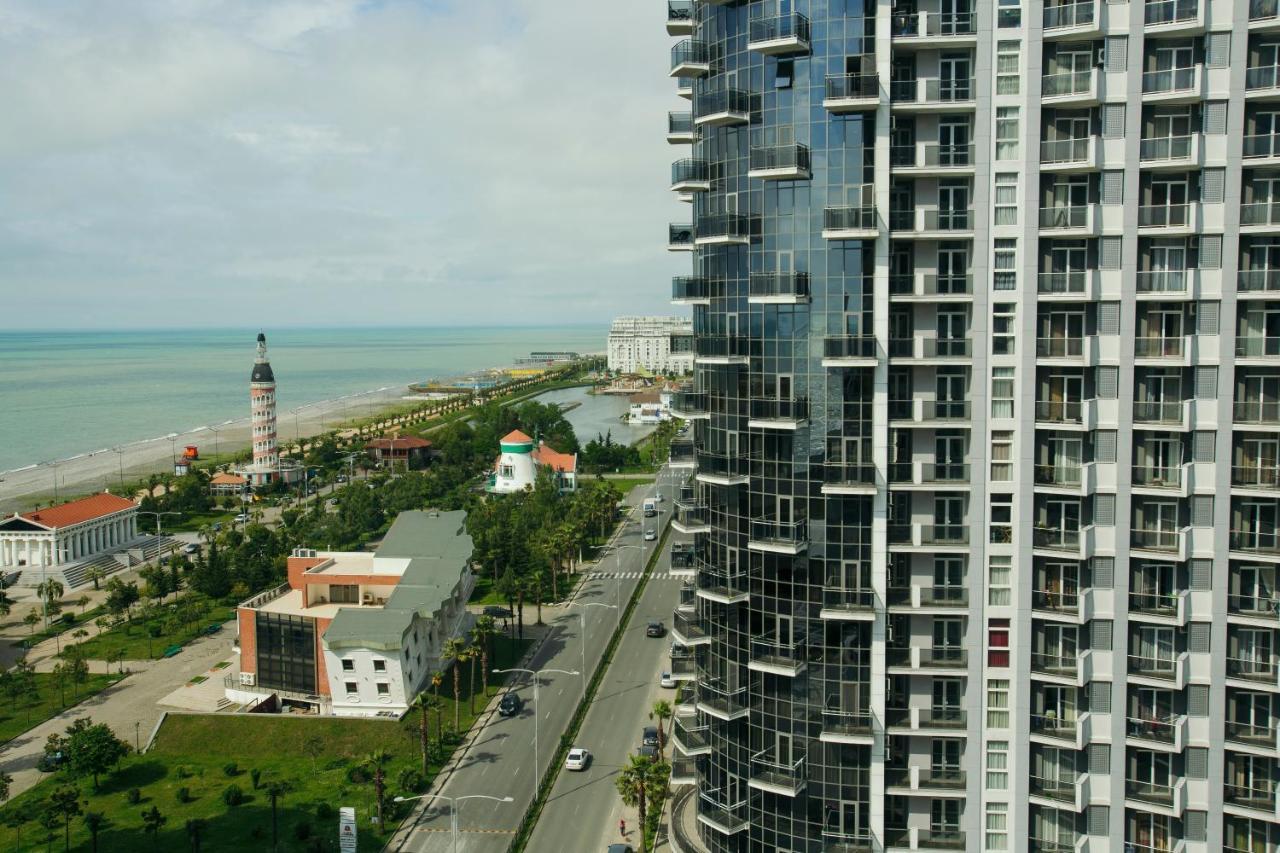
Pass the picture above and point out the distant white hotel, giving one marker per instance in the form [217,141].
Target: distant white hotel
[654,344]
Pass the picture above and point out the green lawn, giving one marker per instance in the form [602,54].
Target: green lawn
[18,715]
[193,522]
[134,637]
[192,751]
[57,626]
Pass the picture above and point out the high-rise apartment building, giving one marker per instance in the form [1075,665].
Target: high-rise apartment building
[653,344]
[987,424]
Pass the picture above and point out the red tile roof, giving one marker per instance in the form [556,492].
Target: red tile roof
[408,442]
[544,455]
[516,437]
[75,512]
[225,479]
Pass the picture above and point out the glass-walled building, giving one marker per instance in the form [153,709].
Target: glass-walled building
[986,407]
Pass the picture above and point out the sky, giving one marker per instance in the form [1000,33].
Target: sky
[180,163]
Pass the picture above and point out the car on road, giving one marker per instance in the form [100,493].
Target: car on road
[619,848]
[666,680]
[578,759]
[655,629]
[241,517]
[649,737]
[650,535]
[497,612]
[657,496]
[510,704]
[649,751]
[191,548]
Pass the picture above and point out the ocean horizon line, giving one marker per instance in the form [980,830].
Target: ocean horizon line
[292,327]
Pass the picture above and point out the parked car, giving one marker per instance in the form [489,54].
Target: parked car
[497,612]
[648,750]
[650,535]
[666,680]
[655,629]
[578,759]
[191,548]
[649,737]
[510,705]
[657,496]
[241,517]
[619,848]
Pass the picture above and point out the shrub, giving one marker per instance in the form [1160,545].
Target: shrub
[183,771]
[154,629]
[232,795]
[231,768]
[302,831]
[335,764]
[183,794]
[357,774]
[411,781]
[255,774]
[325,811]
[67,618]
[134,796]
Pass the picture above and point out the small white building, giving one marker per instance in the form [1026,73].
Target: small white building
[56,539]
[651,407]
[644,344]
[516,467]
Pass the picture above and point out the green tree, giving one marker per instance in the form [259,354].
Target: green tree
[152,821]
[275,790]
[95,574]
[634,782]
[95,822]
[195,831]
[31,619]
[93,749]
[455,651]
[65,802]
[482,635]
[6,782]
[437,679]
[661,713]
[313,747]
[421,703]
[49,592]
[472,653]
[377,762]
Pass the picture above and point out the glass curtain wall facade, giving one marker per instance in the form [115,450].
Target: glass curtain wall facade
[983,522]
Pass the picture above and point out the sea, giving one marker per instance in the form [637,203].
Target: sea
[65,393]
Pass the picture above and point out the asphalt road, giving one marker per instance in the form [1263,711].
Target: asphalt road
[501,763]
[582,813]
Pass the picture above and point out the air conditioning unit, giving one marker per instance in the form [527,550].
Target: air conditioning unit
[248,679]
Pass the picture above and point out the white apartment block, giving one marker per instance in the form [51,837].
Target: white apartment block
[645,343]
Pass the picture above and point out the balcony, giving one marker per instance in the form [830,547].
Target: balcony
[1258,476]
[1262,146]
[931,158]
[1161,667]
[1160,347]
[848,478]
[780,163]
[1055,601]
[931,223]
[1150,539]
[927,285]
[1160,793]
[718,229]
[723,585]
[778,414]
[1254,669]
[721,349]
[1157,476]
[688,176]
[1260,281]
[680,238]
[1256,412]
[1063,88]
[1158,411]
[850,223]
[1257,347]
[690,405]
[1168,605]
[720,701]
[691,518]
[852,727]
[944,473]
[1264,14]
[684,771]
[690,58]
[940,779]
[1064,474]
[785,777]
[1164,729]
[926,349]
[1070,283]
[1060,411]
[1255,542]
[944,534]
[1173,84]
[943,657]
[848,93]
[1065,155]
[778,656]
[1068,219]
[1164,281]
[1256,606]
[684,87]
[943,596]
[841,603]
[1056,663]
[721,816]
[681,453]
[679,17]
[680,129]
[779,35]
[1172,150]
[1262,81]
[778,537]
[721,108]
[690,290]
[689,629]
[1264,736]
[691,738]
[1050,725]
[931,26]
[684,669]
[1069,18]
[1060,347]
[1061,788]
[778,288]
[849,351]
[932,94]
[1263,215]
[1165,14]
[940,410]
[719,469]
[1259,797]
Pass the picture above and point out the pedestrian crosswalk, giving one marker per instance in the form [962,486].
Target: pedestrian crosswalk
[609,576]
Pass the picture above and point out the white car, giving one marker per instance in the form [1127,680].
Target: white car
[578,759]
[242,517]
[666,680]
[657,496]
[650,535]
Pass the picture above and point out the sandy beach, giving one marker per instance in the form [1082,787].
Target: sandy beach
[104,468]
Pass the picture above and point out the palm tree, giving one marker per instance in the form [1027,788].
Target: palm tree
[635,784]
[95,574]
[152,820]
[482,634]
[661,711]
[49,591]
[276,790]
[377,762]
[95,822]
[455,651]
[422,702]
[473,654]
[437,678]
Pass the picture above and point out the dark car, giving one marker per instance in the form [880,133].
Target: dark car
[648,751]
[510,704]
[650,736]
[497,612]
[49,762]
[619,848]
[655,629]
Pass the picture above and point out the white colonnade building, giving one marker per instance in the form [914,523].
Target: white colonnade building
[69,533]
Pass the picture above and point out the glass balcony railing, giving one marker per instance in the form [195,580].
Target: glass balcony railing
[1260,213]
[944,472]
[691,626]
[680,235]
[1170,80]
[1157,12]
[1074,281]
[930,285]
[1065,216]
[1060,411]
[690,171]
[1062,15]
[1262,77]
[1264,10]
[689,53]
[835,473]
[1055,662]
[793,157]
[1257,346]
[1256,476]
[951,657]
[848,723]
[779,410]
[1060,787]
[1058,151]
[1159,347]
[1244,604]
[690,287]
[793,27]
[774,531]
[931,156]
[1063,83]
[1059,474]
[1158,411]
[943,410]
[1154,603]
[1258,281]
[1153,725]
[852,87]
[931,24]
[944,596]
[1165,148]
[779,285]
[1163,281]
[1157,476]
[1255,541]
[1153,666]
[726,226]
[1159,792]
[734,102]
[775,651]
[1151,539]
[849,346]
[1059,601]
[1057,538]
[944,534]
[1059,347]
[1258,795]
[837,598]
[1252,668]
[1050,723]
[679,123]
[1252,733]
[1256,411]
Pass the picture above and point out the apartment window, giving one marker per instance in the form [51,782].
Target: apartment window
[1006,198]
[1002,391]
[1007,67]
[997,766]
[998,703]
[351,687]
[997,826]
[1001,455]
[1002,519]
[999,580]
[1004,265]
[379,665]
[384,689]
[1010,14]
[998,643]
[1003,315]
[348,665]
[1006,133]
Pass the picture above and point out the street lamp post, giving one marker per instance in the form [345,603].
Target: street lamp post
[582,620]
[537,761]
[454,807]
[617,575]
[157,515]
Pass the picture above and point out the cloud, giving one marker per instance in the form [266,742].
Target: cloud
[212,162]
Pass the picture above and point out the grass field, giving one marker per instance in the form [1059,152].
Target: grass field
[18,715]
[137,643]
[193,752]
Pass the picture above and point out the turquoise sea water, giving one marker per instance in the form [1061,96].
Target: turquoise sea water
[63,393]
